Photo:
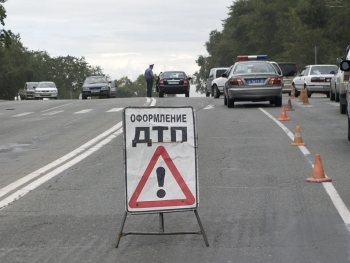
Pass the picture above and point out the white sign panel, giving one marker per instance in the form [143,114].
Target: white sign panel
[160,159]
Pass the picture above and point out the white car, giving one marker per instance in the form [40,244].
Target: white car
[218,84]
[46,89]
[315,79]
[213,74]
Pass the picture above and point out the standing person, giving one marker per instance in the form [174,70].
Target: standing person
[149,80]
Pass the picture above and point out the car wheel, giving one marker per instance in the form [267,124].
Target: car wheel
[187,94]
[331,95]
[225,100]
[161,94]
[336,96]
[342,108]
[207,94]
[230,103]
[216,92]
[328,94]
[83,97]
[308,93]
[278,102]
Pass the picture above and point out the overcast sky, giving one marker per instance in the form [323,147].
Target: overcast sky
[122,37]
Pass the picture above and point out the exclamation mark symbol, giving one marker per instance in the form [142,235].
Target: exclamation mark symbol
[160,177]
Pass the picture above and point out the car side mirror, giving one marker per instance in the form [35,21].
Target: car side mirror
[224,75]
[345,65]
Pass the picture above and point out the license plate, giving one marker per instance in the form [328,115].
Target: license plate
[254,81]
[95,91]
[173,82]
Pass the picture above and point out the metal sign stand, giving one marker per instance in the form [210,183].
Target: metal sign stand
[162,229]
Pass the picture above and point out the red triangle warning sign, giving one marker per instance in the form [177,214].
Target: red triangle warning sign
[187,201]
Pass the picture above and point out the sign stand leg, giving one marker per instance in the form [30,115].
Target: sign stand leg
[161,223]
[202,228]
[162,229]
[120,234]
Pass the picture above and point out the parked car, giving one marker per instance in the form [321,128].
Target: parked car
[98,86]
[217,85]
[173,82]
[46,89]
[344,82]
[314,78]
[289,71]
[252,78]
[28,91]
[336,81]
[215,88]
[345,66]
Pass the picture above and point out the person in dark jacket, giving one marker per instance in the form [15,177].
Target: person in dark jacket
[149,79]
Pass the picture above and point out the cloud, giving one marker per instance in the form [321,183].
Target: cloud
[122,37]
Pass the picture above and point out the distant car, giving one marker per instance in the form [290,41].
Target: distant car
[98,86]
[46,89]
[28,91]
[252,78]
[289,71]
[315,79]
[215,88]
[173,82]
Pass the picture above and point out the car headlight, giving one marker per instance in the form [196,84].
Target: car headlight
[105,88]
[85,89]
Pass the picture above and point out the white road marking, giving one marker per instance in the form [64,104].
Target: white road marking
[83,111]
[52,113]
[114,110]
[58,166]
[335,104]
[329,187]
[57,107]
[22,114]
[209,107]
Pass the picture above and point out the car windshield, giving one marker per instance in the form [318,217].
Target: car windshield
[95,79]
[254,67]
[32,85]
[219,72]
[288,69]
[46,85]
[174,74]
[318,70]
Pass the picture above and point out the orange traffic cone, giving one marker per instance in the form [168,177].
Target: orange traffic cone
[301,96]
[305,98]
[318,175]
[298,140]
[283,116]
[289,106]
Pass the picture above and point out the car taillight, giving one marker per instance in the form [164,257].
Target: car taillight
[185,82]
[236,82]
[161,82]
[275,81]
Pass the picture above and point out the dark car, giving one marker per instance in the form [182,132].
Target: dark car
[98,86]
[173,82]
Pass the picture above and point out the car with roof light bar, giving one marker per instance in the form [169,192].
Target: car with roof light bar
[253,79]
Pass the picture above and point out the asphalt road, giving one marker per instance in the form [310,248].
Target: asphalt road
[62,187]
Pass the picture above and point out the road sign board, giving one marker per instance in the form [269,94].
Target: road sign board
[160,159]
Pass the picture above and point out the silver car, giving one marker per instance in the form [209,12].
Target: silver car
[253,80]
[46,89]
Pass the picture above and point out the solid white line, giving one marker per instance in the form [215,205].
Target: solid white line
[9,188]
[35,184]
[329,187]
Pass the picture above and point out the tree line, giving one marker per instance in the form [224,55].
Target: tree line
[300,31]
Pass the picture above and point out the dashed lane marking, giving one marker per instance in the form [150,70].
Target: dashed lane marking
[83,111]
[209,107]
[22,114]
[114,110]
[52,113]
